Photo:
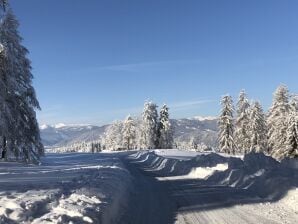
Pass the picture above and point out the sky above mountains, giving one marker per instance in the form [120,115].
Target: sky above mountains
[97,61]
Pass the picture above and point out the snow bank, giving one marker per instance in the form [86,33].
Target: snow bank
[169,166]
[66,188]
[262,175]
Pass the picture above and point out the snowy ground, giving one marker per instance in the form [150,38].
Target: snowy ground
[66,188]
[211,189]
[160,187]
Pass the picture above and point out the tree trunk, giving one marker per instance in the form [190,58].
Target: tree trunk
[4,148]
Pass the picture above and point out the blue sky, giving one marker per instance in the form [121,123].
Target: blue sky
[96,61]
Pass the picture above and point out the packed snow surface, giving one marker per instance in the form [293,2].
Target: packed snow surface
[65,188]
[157,186]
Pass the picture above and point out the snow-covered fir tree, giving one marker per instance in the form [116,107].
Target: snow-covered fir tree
[277,119]
[18,126]
[3,6]
[291,145]
[291,149]
[242,138]
[294,103]
[149,126]
[139,134]
[257,129]
[129,133]
[226,126]
[113,138]
[165,129]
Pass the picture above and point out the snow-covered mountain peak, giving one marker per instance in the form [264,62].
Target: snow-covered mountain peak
[59,125]
[65,126]
[205,118]
[44,126]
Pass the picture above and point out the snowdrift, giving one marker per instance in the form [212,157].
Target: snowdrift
[163,166]
[65,188]
[261,175]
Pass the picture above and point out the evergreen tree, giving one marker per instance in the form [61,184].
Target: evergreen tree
[3,4]
[165,130]
[294,103]
[149,126]
[3,8]
[292,139]
[291,145]
[290,148]
[226,126]
[277,119]
[98,147]
[92,147]
[129,133]
[113,137]
[242,138]
[19,127]
[138,132]
[258,129]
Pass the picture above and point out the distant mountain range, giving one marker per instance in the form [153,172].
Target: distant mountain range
[199,130]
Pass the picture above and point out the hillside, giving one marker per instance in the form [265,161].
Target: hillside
[187,131]
[56,136]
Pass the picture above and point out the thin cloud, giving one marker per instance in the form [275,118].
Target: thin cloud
[134,67]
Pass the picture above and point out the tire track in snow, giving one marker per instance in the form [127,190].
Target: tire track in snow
[149,201]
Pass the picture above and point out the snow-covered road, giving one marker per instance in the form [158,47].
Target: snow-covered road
[166,187]
[188,200]
[149,202]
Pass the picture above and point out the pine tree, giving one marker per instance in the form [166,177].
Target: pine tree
[292,136]
[258,129]
[294,103]
[3,4]
[291,146]
[4,109]
[129,133]
[19,127]
[149,126]
[165,130]
[277,119]
[92,147]
[113,137]
[226,126]
[242,138]
[140,141]
[3,8]
[98,147]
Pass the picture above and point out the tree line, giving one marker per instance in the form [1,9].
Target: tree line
[274,133]
[19,131]
[84,147]
[152,131]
